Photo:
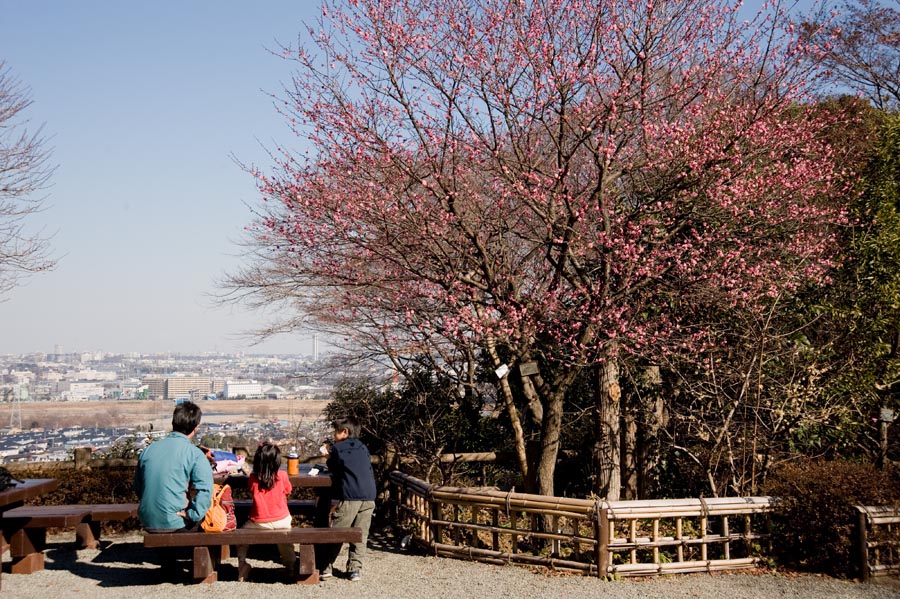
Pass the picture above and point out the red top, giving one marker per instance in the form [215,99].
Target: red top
[270,505]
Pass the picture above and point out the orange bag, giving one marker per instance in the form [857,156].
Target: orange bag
[220,515]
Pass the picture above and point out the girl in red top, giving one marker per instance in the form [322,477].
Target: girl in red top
[270,487]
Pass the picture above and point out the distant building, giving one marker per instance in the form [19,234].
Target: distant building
[82,391]
[176,387]
[156,387]
[187,386]
[247,389]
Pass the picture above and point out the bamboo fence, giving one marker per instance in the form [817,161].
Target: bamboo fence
[600,538]
[878,541]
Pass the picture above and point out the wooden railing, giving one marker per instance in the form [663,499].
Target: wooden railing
[619,538]
[878,541]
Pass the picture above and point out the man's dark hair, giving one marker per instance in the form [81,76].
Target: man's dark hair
[348,423]
[186,418]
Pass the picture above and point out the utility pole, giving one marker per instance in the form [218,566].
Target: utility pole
[15,412]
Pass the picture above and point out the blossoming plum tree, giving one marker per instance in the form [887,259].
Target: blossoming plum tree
[558,182]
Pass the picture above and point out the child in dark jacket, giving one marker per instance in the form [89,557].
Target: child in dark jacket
[353,484]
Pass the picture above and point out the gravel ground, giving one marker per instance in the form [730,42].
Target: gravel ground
[124,568]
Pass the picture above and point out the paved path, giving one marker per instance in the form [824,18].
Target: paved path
[124,568]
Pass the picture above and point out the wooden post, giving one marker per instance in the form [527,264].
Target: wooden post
[656,541]
[555,545]
[726,533]
[495,536]
[863,545]
[82,457]
[435,512]
[514,524]
[704,523]
[601,532]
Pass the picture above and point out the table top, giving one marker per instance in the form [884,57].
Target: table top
[27,489]
[304,479]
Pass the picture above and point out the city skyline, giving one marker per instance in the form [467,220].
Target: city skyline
[147,108]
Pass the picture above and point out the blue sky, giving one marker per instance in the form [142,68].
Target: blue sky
[144,104]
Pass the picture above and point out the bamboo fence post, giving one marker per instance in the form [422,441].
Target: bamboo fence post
[679,535]
[601,536]
[747,543]
[656,541]
[703,523]
[632,538]
[422,513]
[576,532]
[514,525]
[495,522]
[891,549]
[394,493]
[725,534]
[555,544]
[435,514]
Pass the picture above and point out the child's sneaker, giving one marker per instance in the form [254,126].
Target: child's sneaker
[354,576]
[326,573]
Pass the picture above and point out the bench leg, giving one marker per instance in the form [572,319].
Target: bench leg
[87,535]
[26,547]
[33,562]
[306,565]
[206,561]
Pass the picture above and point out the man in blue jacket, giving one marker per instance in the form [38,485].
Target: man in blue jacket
[173,479]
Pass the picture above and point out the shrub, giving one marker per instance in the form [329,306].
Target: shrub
[814,525]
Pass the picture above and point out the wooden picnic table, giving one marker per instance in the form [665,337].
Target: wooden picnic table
[27,489]
[320,482]
[18,494]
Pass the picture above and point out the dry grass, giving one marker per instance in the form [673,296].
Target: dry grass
[132,413]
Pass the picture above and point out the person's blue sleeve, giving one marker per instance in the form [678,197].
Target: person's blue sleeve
[202,480]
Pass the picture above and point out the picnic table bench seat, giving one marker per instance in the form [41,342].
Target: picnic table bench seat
[208,546]
[25,528]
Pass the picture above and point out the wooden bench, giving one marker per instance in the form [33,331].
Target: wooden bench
[208,546]
[25,528]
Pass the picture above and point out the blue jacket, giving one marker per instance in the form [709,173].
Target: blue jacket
[166,468]
[352,477]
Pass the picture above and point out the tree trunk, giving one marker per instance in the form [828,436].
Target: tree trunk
[515,422]
[629,455]
[608,414]
[655,419]
[550,432]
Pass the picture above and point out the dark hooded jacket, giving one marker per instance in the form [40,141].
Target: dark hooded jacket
[352,477]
